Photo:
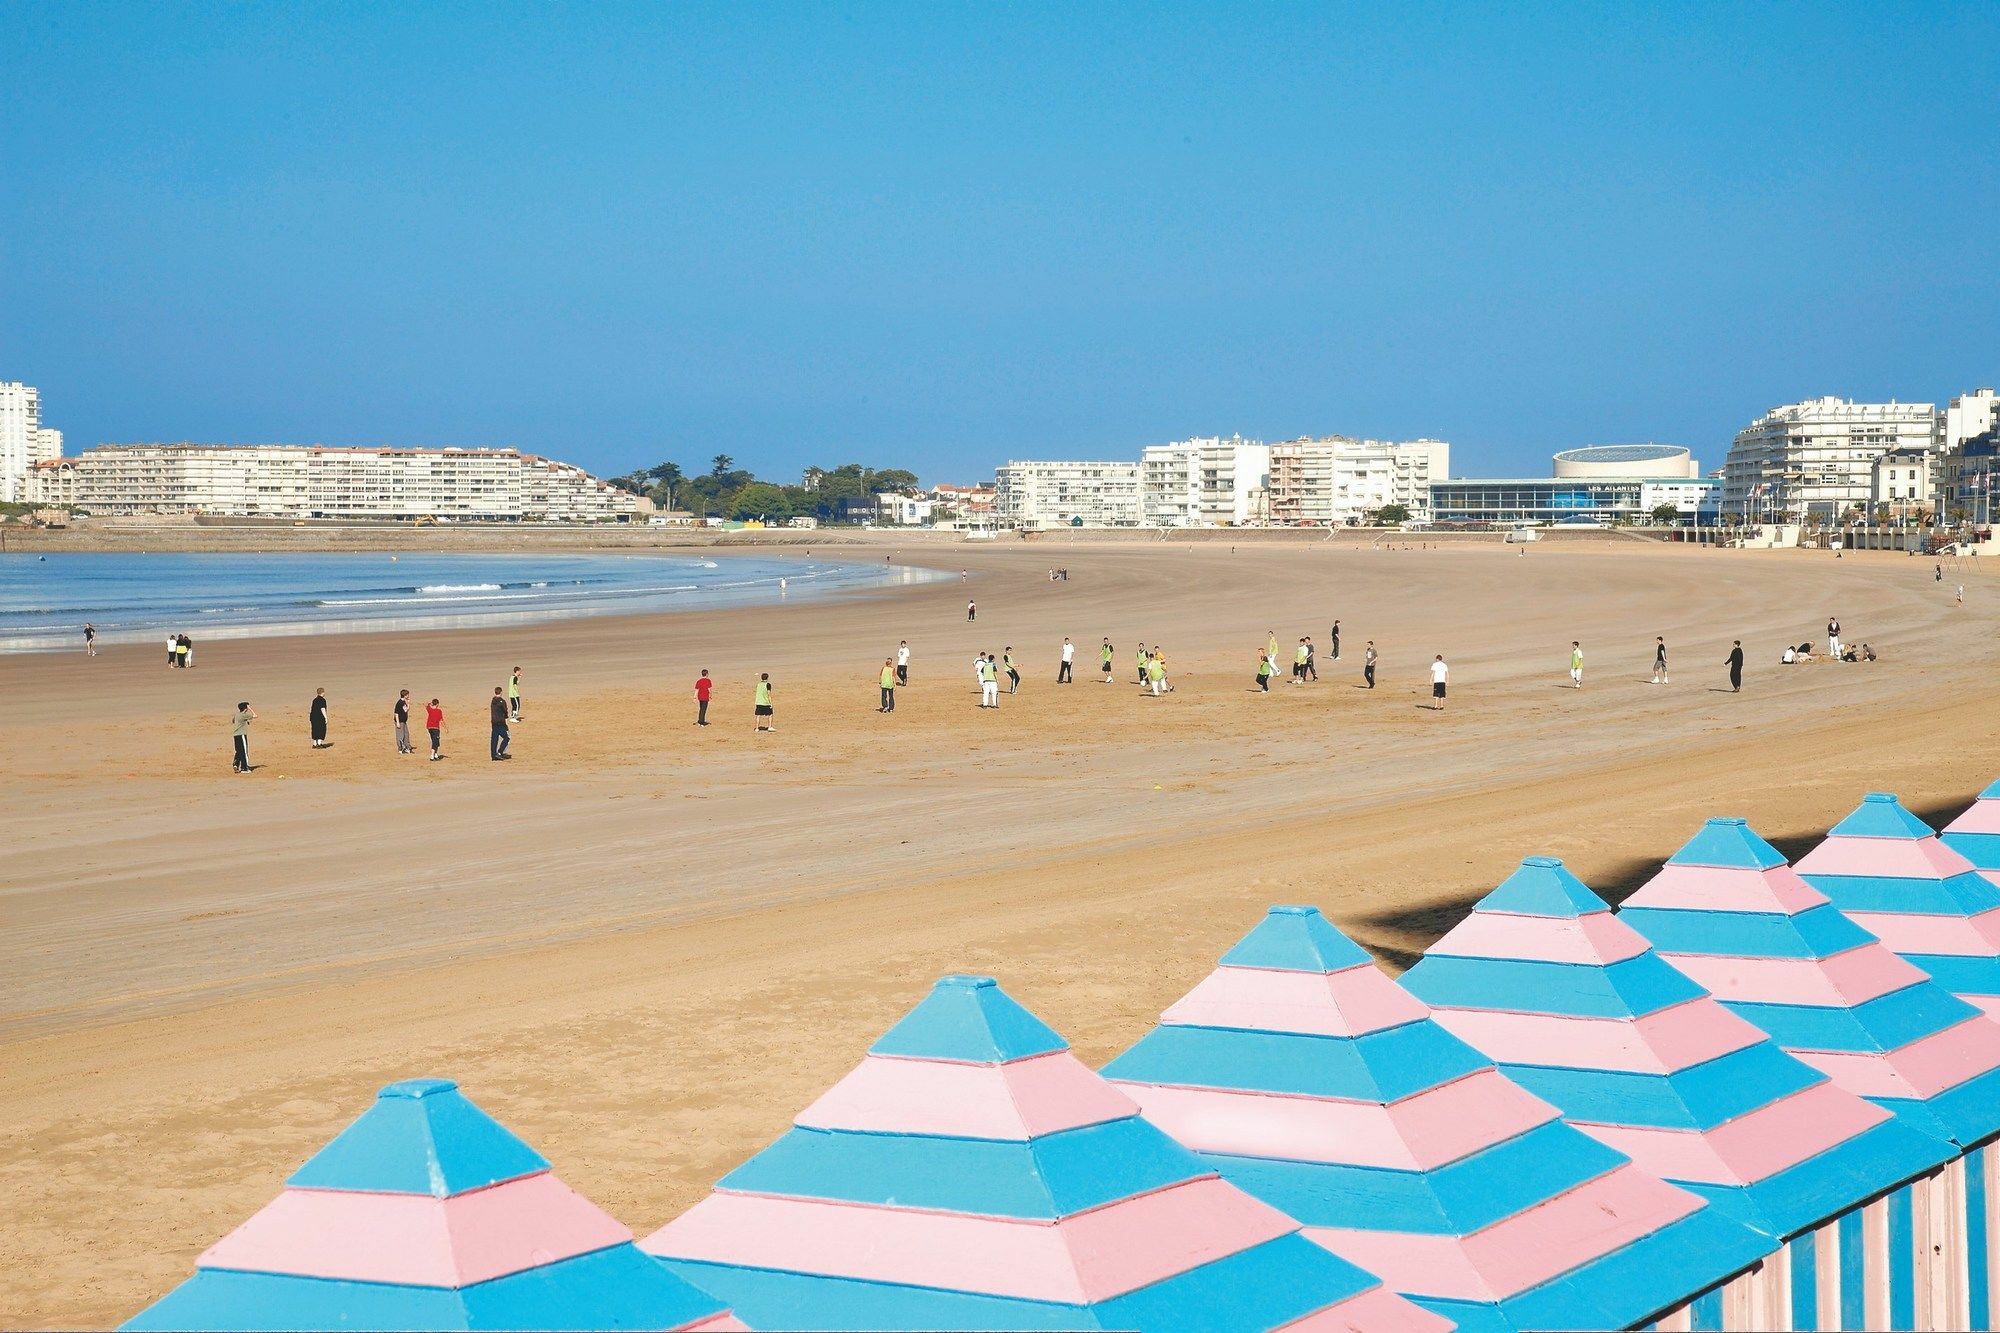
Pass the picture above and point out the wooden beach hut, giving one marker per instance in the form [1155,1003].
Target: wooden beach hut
[426,1213]
[971,1173]
[1306,1076]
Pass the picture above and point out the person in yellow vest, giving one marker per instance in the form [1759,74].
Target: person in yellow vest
[888,686]
[766,719]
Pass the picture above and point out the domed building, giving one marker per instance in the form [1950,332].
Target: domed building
[1597,484]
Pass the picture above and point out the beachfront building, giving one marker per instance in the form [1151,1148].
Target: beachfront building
[1900,485]
[1100,494]
[1605,483]
[1816,459]
[1968,442]
[24,441]
[1337,479]
[52,483]
[1204,482]
[295,482]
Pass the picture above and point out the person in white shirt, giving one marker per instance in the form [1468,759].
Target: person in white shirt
[903,663]
[1068,654]
[989,683]
[1440,673]
[173,649]
[1575,665]
[1833,637]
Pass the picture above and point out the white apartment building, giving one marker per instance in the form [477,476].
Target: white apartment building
[1067,494]
[1817,458]
[1966,416]
[24,441]
[1204,482]
[1336,479]
[314,481]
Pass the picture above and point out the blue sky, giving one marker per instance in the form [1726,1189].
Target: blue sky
[940,235]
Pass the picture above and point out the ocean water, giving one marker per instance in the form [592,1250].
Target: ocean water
[45,600]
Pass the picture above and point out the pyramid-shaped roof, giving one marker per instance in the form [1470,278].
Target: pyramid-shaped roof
[1975,835]
[426,1213]
[1778,954]
[1667,1075]
[1313,1081]
[1886,870]
[972,1173]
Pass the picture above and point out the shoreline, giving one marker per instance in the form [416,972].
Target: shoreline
[851,577]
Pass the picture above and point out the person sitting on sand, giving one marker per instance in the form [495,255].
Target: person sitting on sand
[1791,656]
[1867,653]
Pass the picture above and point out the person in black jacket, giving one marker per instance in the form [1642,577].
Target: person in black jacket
[500,733]
[1735,661]
[316,719]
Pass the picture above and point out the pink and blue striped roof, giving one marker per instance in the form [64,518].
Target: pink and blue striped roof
[1975,835]
[426,1213]
[1727,910]
[1892,876]
[971,1173]
[1574,1004]
[1309,1078]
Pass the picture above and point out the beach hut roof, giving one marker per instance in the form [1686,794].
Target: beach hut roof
[1975,834]
[972,1173]
[1674,1079]
[1780,955]
[1326,1090]
[1885,869]
[426,1213]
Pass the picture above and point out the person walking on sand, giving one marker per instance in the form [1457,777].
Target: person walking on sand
[989,683]
[1440,674]
[173,650]
[1013,672]
[703,686]
[1833,637]
[1659,661]
[766,719]
[514,696]
[434,724]
[1062,670]
[89,639]
[1575,665]
[400,715]
[1105,655]
[971,610]
[1156,674]
[1333,641]
[1271,647]
[1735,663]
[1368,664]
[497,747]
[1312,665]
[1264,670]
[903,662]
[239,732]
[316,719]
[1299,663]
[888,686]
[187,652]
[1961,594]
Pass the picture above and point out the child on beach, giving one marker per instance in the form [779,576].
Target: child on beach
[1105,654]
[239,732]
[434,724]
[766,719]
[514,696]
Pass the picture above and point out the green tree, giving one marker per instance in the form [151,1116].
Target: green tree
[1665,513]
[720,465]
[1392,513]
[760,499]
[894,479]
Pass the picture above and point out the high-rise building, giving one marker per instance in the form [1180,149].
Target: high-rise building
[1967,416]
[1968,461]
[315,481]
[1067,494]
[24,441]
[1337,479]
[1204,482]
[1816,459]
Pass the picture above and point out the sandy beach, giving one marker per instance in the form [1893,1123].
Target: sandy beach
[645,945]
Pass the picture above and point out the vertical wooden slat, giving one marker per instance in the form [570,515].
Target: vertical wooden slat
[1926,1305]
[1989,1188]
[1902,1260]
[1775,1308]
[1676,1321]
[1802,1277]
[1973,1180]
[1853,1255]
[1875,1265]
[1705,1312]
[1952,1305]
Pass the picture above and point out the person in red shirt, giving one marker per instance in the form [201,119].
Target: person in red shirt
[701,688]
[434,723]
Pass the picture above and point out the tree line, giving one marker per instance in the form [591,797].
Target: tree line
[727,491]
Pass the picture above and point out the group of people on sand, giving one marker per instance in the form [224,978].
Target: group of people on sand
[503,710]
[180,648]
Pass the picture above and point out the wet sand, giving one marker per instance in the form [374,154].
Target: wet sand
[646,945]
